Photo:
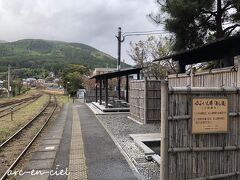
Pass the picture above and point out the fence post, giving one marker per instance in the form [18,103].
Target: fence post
[238,74]
[192,76]
[145,100]
[164,131]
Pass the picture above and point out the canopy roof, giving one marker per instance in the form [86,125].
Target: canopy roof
[123,72]
[211,51]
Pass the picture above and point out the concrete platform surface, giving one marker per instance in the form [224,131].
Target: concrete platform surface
[104,160]
[78,146]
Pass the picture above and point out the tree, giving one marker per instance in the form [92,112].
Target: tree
[89,84]
[18,85]
[75,82]
[143,52]
[194,22]
[72,77]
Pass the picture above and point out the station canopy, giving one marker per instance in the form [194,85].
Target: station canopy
[114,74]
[221,48]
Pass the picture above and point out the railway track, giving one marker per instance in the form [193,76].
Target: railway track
[19,105]
[14,148]
[9,103]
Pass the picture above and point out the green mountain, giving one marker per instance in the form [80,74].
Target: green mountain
[50,55]
[3,41]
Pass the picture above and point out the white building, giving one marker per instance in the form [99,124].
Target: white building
[98,71]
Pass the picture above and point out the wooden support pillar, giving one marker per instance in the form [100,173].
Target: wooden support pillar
[227,60]
[106,93]
[164,131]
[192,76]
[119,88]
[180,67]
[238,74]
[96,90]
[167,73]
[100,91]
[127,88]
[138,75]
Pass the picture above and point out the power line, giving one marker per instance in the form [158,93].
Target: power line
[143,34]
[140,32]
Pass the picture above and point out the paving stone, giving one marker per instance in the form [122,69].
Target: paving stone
[51,141]
[48,147]
[52,136]
[30,177]
[40,164]
[44,155]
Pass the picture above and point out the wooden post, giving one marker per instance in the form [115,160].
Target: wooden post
[119,88]
[182,67]
[138,75]
[106,93]
[12,110]
[238,74]
[145,100]
[127,88]
[96,90]
[164,131]
[167,73]
[100,91]
[192,76]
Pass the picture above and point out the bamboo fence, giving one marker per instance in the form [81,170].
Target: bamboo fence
[198,156]
[213,78]
[145,99]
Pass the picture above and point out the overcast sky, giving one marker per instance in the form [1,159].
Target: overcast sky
[93,22]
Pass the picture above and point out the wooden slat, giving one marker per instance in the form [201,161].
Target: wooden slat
[202,156]
[145,98]
[214,78]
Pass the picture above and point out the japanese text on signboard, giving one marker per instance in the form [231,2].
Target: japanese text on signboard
[209,115]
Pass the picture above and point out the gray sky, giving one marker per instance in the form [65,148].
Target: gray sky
[93,22]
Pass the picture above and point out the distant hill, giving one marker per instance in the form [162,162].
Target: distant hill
[3,41]
[51,55]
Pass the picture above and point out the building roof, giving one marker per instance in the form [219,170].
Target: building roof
[211,51]
[123,72]
[105,69]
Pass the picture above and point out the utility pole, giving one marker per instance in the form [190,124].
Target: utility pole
[121,37]
[9,79]
[120,40]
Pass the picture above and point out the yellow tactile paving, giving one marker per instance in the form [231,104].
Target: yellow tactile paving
[76,175]
[77,160]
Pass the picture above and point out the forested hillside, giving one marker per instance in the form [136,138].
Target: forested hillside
[34,57]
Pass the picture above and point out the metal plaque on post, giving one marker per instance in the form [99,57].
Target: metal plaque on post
[209,115]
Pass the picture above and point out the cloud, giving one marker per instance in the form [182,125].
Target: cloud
[92,22]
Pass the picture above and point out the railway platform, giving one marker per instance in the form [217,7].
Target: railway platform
[77,147]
